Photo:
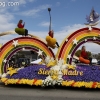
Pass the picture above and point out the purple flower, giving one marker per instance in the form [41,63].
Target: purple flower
[90,73]
[30,72]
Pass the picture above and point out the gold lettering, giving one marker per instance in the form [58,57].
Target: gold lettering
[55,72]
[64,72]
[70,72]
[46,72]
[75,72]
[40,71]
[81,73]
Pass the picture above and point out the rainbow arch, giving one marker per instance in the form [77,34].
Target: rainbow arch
[8,49]
[81,36]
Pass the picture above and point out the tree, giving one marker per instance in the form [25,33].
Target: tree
[78,52]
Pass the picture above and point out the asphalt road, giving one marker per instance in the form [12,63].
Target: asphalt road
[20,92]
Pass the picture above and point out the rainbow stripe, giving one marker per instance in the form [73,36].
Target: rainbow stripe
[34,44]
[68,48]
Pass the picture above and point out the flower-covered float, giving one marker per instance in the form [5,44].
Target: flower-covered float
[52,69]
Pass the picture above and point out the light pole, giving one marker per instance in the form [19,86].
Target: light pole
[49,9]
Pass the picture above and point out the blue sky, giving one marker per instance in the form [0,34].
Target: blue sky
[67,16]
[63,13]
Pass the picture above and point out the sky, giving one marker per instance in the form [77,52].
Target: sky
[66,16]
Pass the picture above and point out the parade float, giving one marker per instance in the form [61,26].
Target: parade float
[53,69]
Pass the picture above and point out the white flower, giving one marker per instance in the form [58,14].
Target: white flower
[51,59]
[47,59]
[60,62]
[48,78]
[56,67]
[4,75]
[73,64]
[8,72]
[54,82]
[64,66]
[20,68]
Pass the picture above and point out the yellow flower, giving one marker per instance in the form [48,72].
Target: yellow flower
[52,63]
[3,79]
[30,82]
[63,83]
[38,82]
[88,84]
[23,81]
[12,72]
[79,84]
[98,84]
[11,81]
[67,83]
[71,67]
[54,77]
[9,68]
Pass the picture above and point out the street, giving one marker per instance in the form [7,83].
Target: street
[25,92]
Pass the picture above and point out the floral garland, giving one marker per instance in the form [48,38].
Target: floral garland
[81,84]
[22,81]
[30,75]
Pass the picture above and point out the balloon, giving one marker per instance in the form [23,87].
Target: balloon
[20,31]
[86,61]
[51,41]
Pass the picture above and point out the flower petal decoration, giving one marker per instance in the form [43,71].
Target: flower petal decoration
[51,41]
[3,75]
[71,67]
[12,72]
[10,68]
[54,77]
[15,42]
[51,63]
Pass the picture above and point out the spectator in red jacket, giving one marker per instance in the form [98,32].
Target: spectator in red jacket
[20,25]
[84,54]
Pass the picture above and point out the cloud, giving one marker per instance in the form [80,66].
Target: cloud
[7,38]
[16,6]
[34,12]
[31,0]
[59,35]
[44,24]
[5,22]
[21,1]
[57,3]
[67,30]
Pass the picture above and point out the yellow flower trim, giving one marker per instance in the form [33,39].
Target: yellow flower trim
[22,81]
[81,84]
[67,83]
[3,79]
[38,83]
[11,81]
[78,84]
[88,84]
[98,85]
